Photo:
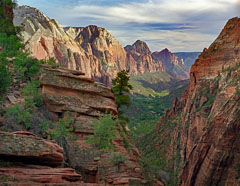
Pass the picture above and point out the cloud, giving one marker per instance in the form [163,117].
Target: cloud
[186,25]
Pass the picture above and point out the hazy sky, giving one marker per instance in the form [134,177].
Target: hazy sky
[180,25]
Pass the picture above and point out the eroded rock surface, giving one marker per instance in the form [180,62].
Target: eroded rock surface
[198,138]
[86,100]
[28,147]
[92,50]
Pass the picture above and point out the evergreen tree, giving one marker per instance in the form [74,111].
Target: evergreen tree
[6,25]
[121,89]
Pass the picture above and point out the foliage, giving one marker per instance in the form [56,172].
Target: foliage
[25,66]
[121,87]
[23,116]
[104,133]
[45,126]
[51,61]
[125,141]
[61,130]
[117,159]
[238,171]
[10,45]
[31,90]
[5,79]
[6,25]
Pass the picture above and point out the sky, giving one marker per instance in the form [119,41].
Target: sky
[179,25]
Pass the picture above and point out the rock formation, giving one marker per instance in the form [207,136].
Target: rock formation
[92,49]
[204,124]
[140,59]
[24,159]
[70,91]
[172,64]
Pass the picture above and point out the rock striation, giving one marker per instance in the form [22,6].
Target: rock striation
[28,147]
[140,59]
[92,50]
[174,66]
[205,122]
[70,91]
[25,159]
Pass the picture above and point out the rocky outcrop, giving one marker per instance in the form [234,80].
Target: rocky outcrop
[62,90]
[23,160]
[39,175]
[70,91]
[140,59]
[204,124]
[172,64]
[92,50]
[210,144]
[28,147]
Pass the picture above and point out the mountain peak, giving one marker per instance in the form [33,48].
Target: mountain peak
[141,47]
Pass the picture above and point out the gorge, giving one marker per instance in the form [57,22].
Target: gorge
[195,142]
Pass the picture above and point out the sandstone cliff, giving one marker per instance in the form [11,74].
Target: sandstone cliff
[92,49]
[64,91]
[30,159]
[174,66]
[140,59]
[198,138]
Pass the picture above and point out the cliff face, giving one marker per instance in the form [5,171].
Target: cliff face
[210,145]
[202,129]
[25,157]
[140,59]
[92,49]
[173,65]
[68,91]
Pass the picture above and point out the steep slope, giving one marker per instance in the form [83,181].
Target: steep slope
[140,59]
[87,100]
[172,64]
[198,138]
[213,153]
[92,49]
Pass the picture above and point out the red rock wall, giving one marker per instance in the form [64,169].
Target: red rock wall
[210,124]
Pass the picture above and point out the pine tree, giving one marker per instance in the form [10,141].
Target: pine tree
[121,89]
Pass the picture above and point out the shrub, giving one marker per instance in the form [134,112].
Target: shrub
[10,45]
[6,25]
[5,79]
[61,130]
[23,116]
[32,92]
[117,159]
[104,133]
[25,66]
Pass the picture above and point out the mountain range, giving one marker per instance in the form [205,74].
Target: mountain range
[92,49]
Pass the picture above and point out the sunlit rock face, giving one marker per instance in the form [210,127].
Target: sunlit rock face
[92,49]
[205,138]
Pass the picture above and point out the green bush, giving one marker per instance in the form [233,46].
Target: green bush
[6,25]
[5,78]
[25,66]
[32,92]
[61,130]
[10,45]
[23,116]
[104,133]
[117,159]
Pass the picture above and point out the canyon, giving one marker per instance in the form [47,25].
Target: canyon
[198,138]
[196,142]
